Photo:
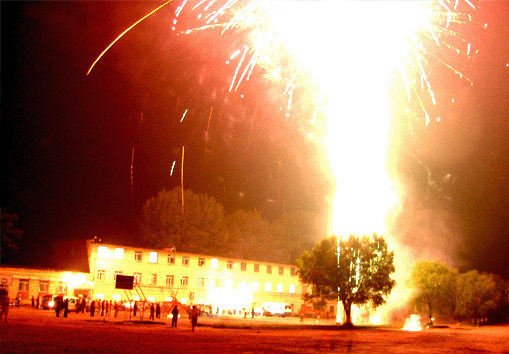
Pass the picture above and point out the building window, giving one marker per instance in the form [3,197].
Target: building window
[213,283]
[201,262]
[279,288]
[117,272]
[171,259]
[228,284]
[214,263]
[291,289]
[269,269]
[229,264]
[104,252]
[119,253]
[257,268]
[170,280]
[255,286]
[185,261]
[23,285]
[153,279]
[184,281]
[268,287]
[243,266]
[281,271]
[101,274]
[292,271]
[137,278]
[43,286]
[138,256]
[200,282]
[242,285]
[152,257]
[62,287]
[116,297]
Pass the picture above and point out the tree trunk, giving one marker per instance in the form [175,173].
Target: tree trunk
[348,312]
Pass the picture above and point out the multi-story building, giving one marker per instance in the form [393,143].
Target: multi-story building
[218,282]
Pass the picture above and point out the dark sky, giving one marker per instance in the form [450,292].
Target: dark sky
[68,138]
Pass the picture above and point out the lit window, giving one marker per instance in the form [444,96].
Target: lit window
[136,297]
[279,288]
[291,289]
[99,296]
[119,253]
[268,287]
[292,271]
[170,280]
[257,268]
[151,298]
[168,299]
[117,272]
[255,286]
[184,281]
[242,285]
[228,283]
[191,295]
[23,285]
[101,275]
[153,279]
[183,300]
[214,263]
[281,271]
[243,266]
[171,259]
[43,286]
[104,252]
[212,283]
[138,256]
[152,258]
[62,287]
[116,297]
[201,262]
[229,264]
[137,278]
[269,269]
[185,261]
[200,282]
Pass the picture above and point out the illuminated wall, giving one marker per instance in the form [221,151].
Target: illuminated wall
[224,283]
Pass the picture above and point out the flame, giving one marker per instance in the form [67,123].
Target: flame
[413,323]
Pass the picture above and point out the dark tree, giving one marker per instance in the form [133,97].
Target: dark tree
[355,271]
[193,223]
[10,233]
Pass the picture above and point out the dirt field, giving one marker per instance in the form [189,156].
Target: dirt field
[38,331]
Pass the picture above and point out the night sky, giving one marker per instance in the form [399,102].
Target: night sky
[68,138]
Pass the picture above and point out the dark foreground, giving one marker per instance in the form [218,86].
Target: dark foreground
[37,331]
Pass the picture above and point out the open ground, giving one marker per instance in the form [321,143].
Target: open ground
[31,330]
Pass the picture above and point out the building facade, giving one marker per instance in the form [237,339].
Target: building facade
[222,284]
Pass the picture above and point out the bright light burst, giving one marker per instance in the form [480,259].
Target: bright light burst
[351,48]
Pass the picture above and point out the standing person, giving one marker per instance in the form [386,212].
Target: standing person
[174,316]
[152,309]
[66,307]
[194,317]
[135,308]
[4,302]
[18,299]
[33,301]
[252,312]
[92,308]
[102,307]
[58,305]
[158,310]
[38,301]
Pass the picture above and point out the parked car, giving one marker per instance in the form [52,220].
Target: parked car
[49,301]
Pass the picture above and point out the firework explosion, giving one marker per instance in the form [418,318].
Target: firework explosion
[366,56]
